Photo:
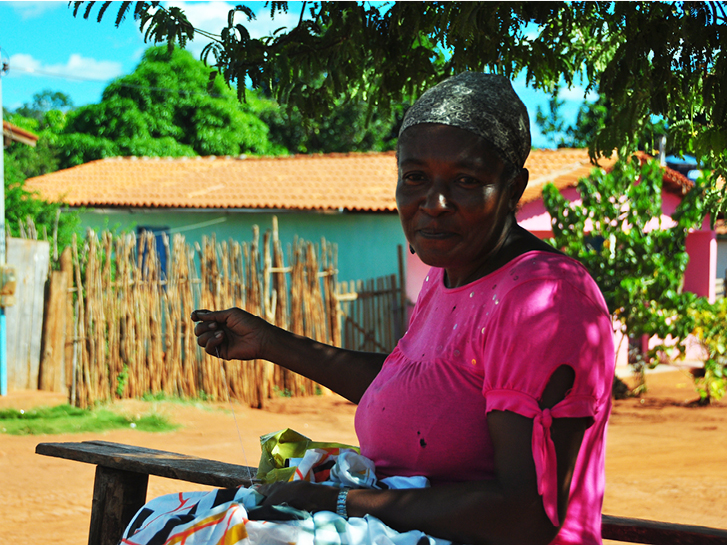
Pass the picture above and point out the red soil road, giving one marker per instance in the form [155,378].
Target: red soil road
[666,460]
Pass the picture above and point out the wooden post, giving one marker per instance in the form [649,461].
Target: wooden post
[54,333]
[67,269]
[117,496]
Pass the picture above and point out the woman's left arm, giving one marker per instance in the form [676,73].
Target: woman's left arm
[507,509]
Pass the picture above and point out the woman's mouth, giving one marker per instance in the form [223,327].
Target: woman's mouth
[435,234]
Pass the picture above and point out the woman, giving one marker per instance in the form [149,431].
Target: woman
[499,392]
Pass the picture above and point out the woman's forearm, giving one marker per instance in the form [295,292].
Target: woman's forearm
[346,372]
[473,512]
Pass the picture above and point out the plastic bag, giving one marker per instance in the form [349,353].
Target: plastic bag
[282,447]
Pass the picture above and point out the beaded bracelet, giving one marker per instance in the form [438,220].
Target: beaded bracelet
[341,502]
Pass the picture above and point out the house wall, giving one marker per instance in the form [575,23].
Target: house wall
[722,256]
[535,218]
[701,271]
[367,242]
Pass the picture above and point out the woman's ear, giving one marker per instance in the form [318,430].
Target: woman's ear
[517,187]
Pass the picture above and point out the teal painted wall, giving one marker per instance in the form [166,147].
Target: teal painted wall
[367,242]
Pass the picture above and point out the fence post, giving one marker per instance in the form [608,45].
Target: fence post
[54,329]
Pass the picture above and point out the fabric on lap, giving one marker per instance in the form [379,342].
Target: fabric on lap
[226,517]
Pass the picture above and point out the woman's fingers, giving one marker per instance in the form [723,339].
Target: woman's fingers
[203,339]
[203,327]
[233,332]
[267,489]
[300,495]
[213,343]
[202,314]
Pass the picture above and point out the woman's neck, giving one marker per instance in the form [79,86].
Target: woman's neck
[517,242]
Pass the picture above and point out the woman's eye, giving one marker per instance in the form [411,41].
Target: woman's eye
[413,177]
[468,181]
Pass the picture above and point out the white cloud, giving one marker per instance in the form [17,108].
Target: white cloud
[34,10]
[23,62]
[77,66]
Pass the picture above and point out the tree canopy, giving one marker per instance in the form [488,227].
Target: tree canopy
[169,107]
[164,108]
[44,102]
[44,117]
[647,58]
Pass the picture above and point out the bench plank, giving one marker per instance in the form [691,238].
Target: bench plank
[152,462]
[660,533]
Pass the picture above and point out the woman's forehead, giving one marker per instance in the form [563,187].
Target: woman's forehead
[420,143]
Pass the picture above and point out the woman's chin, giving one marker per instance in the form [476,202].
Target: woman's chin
[434,259]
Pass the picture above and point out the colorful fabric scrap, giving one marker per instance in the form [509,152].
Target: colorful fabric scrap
[222,517]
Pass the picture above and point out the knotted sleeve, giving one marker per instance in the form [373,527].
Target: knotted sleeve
[541,326]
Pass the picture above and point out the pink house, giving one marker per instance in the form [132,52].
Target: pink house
[564,167]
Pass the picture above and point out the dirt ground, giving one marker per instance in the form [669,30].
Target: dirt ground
[666,460]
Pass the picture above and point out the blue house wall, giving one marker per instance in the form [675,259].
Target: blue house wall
[367,241]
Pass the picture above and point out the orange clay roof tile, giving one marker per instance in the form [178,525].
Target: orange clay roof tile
[355,181]
[347,181]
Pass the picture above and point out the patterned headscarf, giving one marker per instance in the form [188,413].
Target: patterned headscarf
[485,104]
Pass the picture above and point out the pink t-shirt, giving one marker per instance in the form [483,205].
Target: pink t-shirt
[492,345]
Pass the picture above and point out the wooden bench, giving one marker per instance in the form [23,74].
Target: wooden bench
[122,475]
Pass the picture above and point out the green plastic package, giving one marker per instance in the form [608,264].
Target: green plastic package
[280,446]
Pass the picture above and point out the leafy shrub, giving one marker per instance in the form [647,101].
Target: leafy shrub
[615,230]
[711,330]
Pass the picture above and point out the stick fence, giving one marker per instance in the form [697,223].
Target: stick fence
[128,331]
[133,333]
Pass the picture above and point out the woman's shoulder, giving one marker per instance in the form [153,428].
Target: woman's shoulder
[538,268]
[544,263]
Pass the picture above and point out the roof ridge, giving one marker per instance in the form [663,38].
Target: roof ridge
[673,175]
[245,157]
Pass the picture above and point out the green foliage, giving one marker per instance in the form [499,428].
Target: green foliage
[665,59]
[282,392]
[164,108]
[23,162]
[63,419]
[348,128]
[639,264]
[122,380]
[21,204]
[44,102]
[591,118]
[43,158]
[551,123]
[711,330]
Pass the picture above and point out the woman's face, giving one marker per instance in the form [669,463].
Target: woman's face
[454,206]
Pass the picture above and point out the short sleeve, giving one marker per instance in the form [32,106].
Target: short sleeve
[540,325]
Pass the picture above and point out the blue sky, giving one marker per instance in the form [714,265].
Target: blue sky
[47,48]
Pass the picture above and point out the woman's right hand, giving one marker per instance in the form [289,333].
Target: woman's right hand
[231,334]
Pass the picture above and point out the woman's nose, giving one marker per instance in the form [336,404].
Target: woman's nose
[436,201]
